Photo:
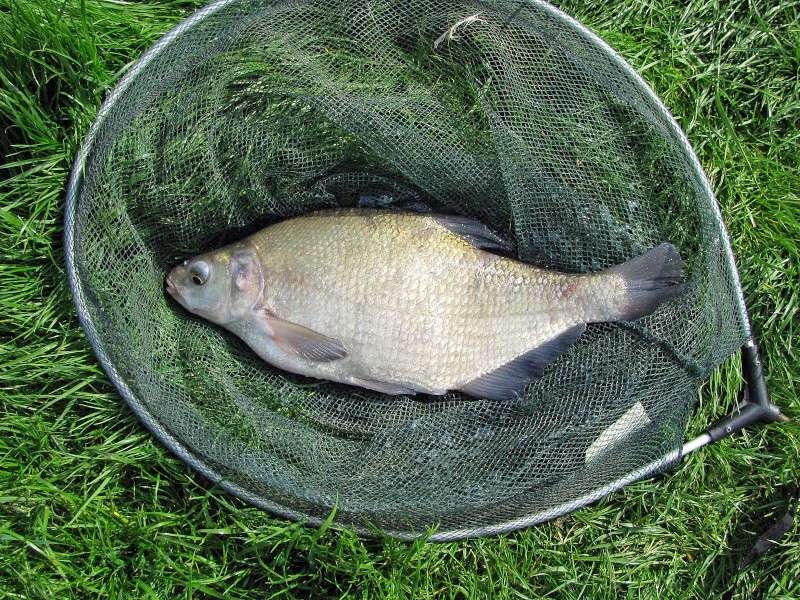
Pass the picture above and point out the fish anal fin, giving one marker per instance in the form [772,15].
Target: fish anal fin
[473,232]
[508,381]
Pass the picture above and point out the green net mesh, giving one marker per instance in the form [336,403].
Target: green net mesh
[254,111]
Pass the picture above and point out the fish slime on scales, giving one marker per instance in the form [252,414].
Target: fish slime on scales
[408,303]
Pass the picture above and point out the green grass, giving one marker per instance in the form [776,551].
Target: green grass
[91,505]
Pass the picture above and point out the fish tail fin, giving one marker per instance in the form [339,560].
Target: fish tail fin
[649,280]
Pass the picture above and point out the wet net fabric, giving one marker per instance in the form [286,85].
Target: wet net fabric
[503,111]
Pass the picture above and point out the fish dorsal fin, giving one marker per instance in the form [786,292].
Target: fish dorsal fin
[302,341]
[474,232]
[508,381]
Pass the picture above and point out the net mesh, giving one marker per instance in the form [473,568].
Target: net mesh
[504,111]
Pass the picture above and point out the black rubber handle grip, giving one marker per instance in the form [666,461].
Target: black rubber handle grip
[756,405]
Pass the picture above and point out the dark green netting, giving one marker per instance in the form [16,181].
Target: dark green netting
[506,111]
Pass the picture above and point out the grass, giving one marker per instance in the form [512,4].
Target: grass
[91,505]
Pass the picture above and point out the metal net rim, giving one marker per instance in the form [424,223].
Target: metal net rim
[73,195]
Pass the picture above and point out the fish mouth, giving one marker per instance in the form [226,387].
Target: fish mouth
[172,289]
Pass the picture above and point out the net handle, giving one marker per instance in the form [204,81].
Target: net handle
[755,406]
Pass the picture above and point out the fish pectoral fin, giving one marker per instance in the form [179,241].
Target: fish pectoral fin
[508,381]
[302,341]
[474,232]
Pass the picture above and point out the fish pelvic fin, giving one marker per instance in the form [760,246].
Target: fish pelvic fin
[508,381]
[384,387]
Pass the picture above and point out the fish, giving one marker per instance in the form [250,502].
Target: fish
[408,303]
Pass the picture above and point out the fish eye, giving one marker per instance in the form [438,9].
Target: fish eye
[199,272]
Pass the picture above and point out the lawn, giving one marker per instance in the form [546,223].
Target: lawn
[92,506]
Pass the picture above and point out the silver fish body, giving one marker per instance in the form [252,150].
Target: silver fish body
[409,302]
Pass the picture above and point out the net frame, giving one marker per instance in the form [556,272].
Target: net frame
[73,194]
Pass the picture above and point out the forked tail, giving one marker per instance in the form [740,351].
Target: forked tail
[649,280]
